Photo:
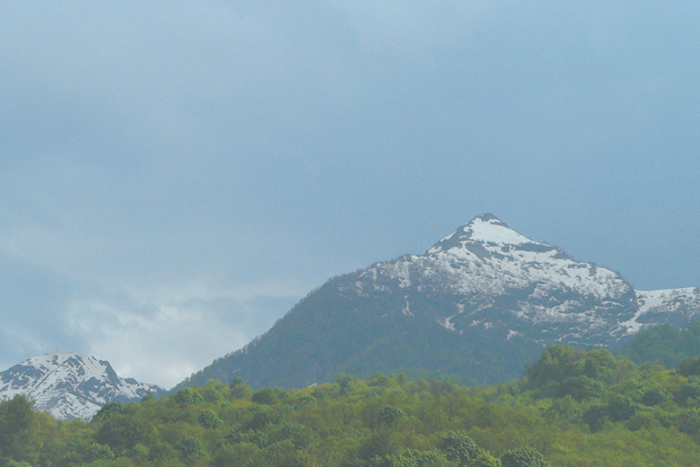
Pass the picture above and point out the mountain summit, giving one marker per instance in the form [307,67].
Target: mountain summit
[481,303]
[70,385]
[486,228]
[499,258]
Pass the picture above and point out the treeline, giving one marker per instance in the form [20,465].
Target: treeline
[573,408]
[664,344]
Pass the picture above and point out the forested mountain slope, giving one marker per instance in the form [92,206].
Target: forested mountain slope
[478,306]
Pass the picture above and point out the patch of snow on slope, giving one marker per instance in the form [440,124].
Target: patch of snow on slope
[663,300]
[558,313]
[447,323]
[503,271]
[494,231]
[512,334]
[406,310]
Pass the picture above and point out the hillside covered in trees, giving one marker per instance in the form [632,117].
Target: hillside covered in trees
[664,344]
[573,408]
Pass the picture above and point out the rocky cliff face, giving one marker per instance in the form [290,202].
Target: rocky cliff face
[481,303]
[69,385]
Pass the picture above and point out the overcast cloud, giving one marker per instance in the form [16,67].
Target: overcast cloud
[176,175]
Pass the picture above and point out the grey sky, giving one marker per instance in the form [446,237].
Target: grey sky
[176,175]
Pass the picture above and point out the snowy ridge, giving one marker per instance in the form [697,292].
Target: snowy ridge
[485,262]
[667,300]
[676,306]
[70,385]
[497,258]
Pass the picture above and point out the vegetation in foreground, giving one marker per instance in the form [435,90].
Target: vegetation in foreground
[573,408]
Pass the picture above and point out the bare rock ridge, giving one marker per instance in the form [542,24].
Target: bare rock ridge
[480,304]
[70,385]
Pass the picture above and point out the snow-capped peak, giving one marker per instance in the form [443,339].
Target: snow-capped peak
[485,229]
[489,229]
[485,267]
[70,385]
[488,257]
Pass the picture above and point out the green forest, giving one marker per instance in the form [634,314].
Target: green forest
[572,408]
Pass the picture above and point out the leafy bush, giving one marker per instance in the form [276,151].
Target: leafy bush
[190,447]
[689,366]
[459,448]
[109,409]
[654,396]
[208,419]
[389,415]
[690,390]
[595,417]
[581,388]
[265,396]
[98,452]
[523,457]
[620,408]
[689,421]
[188,396]
[412,458]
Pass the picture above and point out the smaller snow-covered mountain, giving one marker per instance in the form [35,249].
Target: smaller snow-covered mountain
[70,385]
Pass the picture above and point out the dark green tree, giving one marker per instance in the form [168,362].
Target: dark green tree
[654,396]
[690,390]
[412,458]
[302,437]
[190,448]
[689,421]
[209,420]
[240,390]
[17,418]
[486,460]
[98,452]
[111,408]
[595,417]
[265,396]
[557,363]
[620,408]
[689,366]
[599,365]
[11,463]
[581,388]
[523,457]
[237,436]
[347,383]
[188,396]
[124,431]
[459,448]
[389,415]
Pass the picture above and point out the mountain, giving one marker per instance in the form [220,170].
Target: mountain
[69,385]
[676,307]
[481,303]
